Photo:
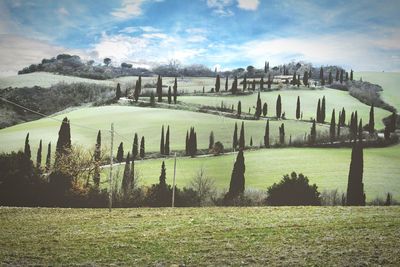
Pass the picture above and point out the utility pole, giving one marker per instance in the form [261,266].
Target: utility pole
[173,183]
[111,165]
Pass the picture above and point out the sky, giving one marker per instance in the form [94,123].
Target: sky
[359,34]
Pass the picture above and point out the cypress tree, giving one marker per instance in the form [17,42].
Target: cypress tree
[152,99]
[162,145]
[136,92]
[118,92]
[226,84]
[282,134]
[265,109]
[323,110]
[341,76]
[337,75]
[48,157]
[266,67]
[266,135]
[332,128]
[187,143]
[237,184]
[169,95]
[278,107]
[217,83]
[175,90]
[64,139]
[126,178]
[253,85]
[309,75]
[163,178]
[338,127]
[355,186]
[261,84]
[140,84]
[355,124]
[305,78]
[27,149]
[211,140]
[313,133]
[120,153]
[258,107]
[294,79]
[234,85]
[135,146]
[298,80]
[371,124]
[244,83]
[142,151]
[241,137]
[351,75]
[360,131]
[239,109]
[166,149]
[330,78]
[319,111]
[235,137]
[343,122]
[347,76]
[159,89]
[39,155]
[321,76]
[97,158]
[298,108]
[269,81]
[251,141]
[132,173]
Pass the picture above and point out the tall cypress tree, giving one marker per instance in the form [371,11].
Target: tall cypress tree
[187,144]
[371,124]
[298,108]
[347,76]
[136,92]
[298,80]
[120,152]
[337,75]
[237,183]
[282,134]
[234,85]
[321,76]
[241,137]
[217,83]
[235,137]
[27,148]
[343,114]
[163,176]
[258,107]
[244,83]
[332,128]
[278,107]
[97,158]
[341,76]
[305,78]
[261,84]
[126,178]
[162,145]
[360,131]
[118,92]
[266,135]
[64,139]
[159,88]
[355,186]
[142,151]
[226,83]
[39,155]
[175,90]
[351,75]
[166,149]
[265,109]
[211,140]
[135,146]
[319,111]
[330,78]
[313,133]
[48,157]
[253,85]
[294,79]
[169,95]
[269,81]
[239,109]
[338,127]
[323,109]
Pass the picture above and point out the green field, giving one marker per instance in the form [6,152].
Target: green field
[146,122]
[390,82]
[327,167]
[289,236]
[308,98]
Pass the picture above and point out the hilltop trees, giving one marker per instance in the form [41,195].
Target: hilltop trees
[159,89]
[237,183]
[175,87]
[278,107]
[266,135]
[217,83]
[337,75]
[298,108]
[355,187]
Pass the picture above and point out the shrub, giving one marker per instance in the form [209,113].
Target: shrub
[293,190]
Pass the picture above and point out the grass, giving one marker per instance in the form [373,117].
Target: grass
[335,99]
[288,236]
[326,167]
[388,80]
[146,122]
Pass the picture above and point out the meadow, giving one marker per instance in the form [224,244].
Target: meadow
[327,167]
[285,236]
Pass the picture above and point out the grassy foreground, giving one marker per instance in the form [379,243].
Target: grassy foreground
[287,236]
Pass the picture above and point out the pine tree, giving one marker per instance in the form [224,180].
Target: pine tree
[241,137]
[135,146]
[330,78]
[97,158]
[258,107]
[265,109]
[332,128]
[341,76]
[305,78]
[269,81]
[217,84]
[48,157]
[371,124]
[118,92]
[169,95]
[266,135]
[298,108]
[313,133]
[321,76]
[355,186]
[278,107]
[166,149]
[261,84]
[235,137]
[351,75]
[211,140]
[237,184]
[239,109]
[282,134]
[323,110]
[226,83]
[244,83]
[319,111]
[39,155]
[64,139]
[27,149]
[175,90]
[142,151]
[159,89]
[234,86]
[120,152]
[162,145]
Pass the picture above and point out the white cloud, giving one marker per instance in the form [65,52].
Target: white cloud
[63,11]
[220,7]
[129,9]
[248,4]
[138,29]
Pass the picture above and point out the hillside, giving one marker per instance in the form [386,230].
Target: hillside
[289,236]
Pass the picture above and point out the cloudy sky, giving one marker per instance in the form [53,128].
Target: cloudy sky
[364,35]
